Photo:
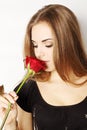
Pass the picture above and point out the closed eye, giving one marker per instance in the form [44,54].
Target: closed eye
[49,45]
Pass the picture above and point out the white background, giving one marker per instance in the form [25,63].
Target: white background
[14,16]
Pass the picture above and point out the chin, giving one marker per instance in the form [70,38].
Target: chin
[48,70]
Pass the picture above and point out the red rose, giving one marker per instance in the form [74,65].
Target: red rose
[35,64]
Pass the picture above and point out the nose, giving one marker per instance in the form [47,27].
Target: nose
[39,53]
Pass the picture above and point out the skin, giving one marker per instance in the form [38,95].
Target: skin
[55,91]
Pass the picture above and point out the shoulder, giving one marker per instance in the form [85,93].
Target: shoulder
[27,87]
[27,95]
[30,83]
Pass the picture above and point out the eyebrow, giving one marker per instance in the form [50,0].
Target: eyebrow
[44,40]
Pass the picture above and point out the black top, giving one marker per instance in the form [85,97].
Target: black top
[49,117]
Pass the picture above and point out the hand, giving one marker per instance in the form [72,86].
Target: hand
[4,101]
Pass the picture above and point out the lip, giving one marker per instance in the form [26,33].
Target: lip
[46,61]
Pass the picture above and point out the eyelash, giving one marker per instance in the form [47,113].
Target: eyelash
[48,46]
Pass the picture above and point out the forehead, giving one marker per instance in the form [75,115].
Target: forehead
[41,31]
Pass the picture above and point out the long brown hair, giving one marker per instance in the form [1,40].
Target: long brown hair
[69,54]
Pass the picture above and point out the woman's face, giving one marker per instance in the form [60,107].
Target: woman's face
[43,42]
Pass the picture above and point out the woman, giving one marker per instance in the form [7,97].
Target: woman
[59,100]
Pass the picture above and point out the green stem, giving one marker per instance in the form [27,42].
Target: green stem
[25,78]
[6,115]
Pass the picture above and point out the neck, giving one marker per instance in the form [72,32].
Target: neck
[55,77]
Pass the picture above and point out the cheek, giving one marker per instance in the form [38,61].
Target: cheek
[50,53]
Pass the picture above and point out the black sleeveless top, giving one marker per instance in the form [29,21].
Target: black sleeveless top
[48,117]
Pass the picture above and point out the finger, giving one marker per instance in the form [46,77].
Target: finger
[14,95]
[8,98]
